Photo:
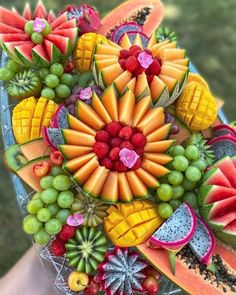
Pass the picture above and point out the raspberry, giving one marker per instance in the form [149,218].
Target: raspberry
[148,51]
[102,136]
[133,49]
[139,71]
[126,144]
[137,164]
[101,149]
[115,142]
[139,151]
[122,63]
[58,247]
[138,140]
[107,163]
[114,154]
[67,232]
[150,78]
[126,132]
[132,64]
[120,167]
[113,128]
[136,54]
[124,54]
[154,68]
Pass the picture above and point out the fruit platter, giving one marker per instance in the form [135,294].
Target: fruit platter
[123,164]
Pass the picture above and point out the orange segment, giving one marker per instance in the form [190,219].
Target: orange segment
[149,180]
[158,147]
[159,158]
[153,119]
[100,109]
[74,164]
[126,107]
[77,138]
[110,192]
[154,168]
[73,151]
[125,193]
[109,100]
[85,171]
[78,125]
[140,109]
[159,134]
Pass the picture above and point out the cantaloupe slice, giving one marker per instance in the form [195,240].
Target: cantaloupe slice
[98,57]
[149,180]
[109,100]
[107,50]
[182,61]
[158,88]
[138,188]
[131,84]
[152,41]
[153,119]
[77,138]
[100,109]
[159,51]
[121,81]
[73,165]
[160,133]
[142,86]
[174,73]
[140,110]
[35,148]
[87,115]
[126,106]
[125,42]
[176,65]
[100,64]
[138,41]
[154,168]
[85,171]
[157,46]
[78,125]
[159,146]
[171,83]
[110,191]
[125,193]
[109,74]
[112,44]
[95,182]
[172,54]
[159,158]
[73,151]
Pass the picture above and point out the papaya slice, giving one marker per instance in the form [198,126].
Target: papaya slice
[157,88]
[172,54]
[147,178]
[77,138]
[160,133]
[154,168]
[87,115]
[95,183]
[171,83]
[140,109]
[153,119]
[107,50]
[142,86]
[100,109]
[73,151]
[125,42]
[121,81]
[137,186]
[172,72]
[110,191]
[159,158]
[74,164]
[109,100]
[78,125]
[126,107]
[85,171]
[125,193]
[159,146]
[109,74]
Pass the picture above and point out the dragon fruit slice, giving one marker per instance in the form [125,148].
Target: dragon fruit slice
[222,146]
[223,129]
[121,272]
[60,118]
[132,35]
[53,137]
[176,232]
[125,28]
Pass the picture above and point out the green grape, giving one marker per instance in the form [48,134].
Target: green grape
[37,38]
[62,91]
[175,177]
[36,196]
[6,74]
[48,93]
[51,81]
[193,174]
[188,185]
[26,218]
[49,195]
[65,199]
[164,210]
[191,199]
[32,225]
[46,182]
[192,153]
[41,237]
[43,215]
[62,215]
[164,192]
[43,73]
[34,205]
[53,226]
[178,191]
[53,208]
[47,30]
[57,170]
[200,164]
[67,79]
[175,204]
[178,150]
[57,69]
[29,27]
[13,66]
[61,183]
[180,163]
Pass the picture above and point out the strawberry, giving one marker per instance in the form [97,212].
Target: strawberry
[101,149]
[154,68]
[113,128]
[67,232]
[115,142]
[133,49]
[126,144]
[58,247]
[137,164]
[120,167]
[107,163]
[131,64]
[114,154]
[122,63]
[124,54]
[126,132]
[102,136]
[138,140]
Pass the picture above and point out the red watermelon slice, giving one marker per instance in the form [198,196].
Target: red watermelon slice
[53,52]
[227,167]
[14,37]
[27,12]
[62,43]
[60,20]
[51,17]
[9,47]
[11,18]
[40,11]
[215,176]
[40,56]
[213,193]
[71,33]
[24,52]
[5,29]
[67,25]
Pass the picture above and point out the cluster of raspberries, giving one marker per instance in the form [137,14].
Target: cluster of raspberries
[58,245]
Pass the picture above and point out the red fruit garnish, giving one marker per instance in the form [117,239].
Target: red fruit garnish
[151,285]
[113,128]
[139,151]
[126,144]
[101,149]
[148,51]
[133,49]
[122,63]
[136,54]
[137,164]
[67,232]
[114,154]
[119,166]
[56,158]
[102,136]
[115,142]
[92,289]
[124,54]
[41,169]
[138,140]
[154,68]
[150,78]
[131,64]
[139,71]
[68,66]
[58,247]
[126,133]
[150,271]
[107,163]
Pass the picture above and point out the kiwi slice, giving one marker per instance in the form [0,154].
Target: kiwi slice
[14,158]
[25,84]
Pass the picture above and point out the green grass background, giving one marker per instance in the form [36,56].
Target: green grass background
[206,28]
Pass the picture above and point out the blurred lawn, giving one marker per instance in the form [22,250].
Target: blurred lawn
[205,28]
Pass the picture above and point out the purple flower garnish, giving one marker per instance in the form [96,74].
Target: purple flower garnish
[39,25]
[128,157]
[145,59]
[75,220]
[86,93]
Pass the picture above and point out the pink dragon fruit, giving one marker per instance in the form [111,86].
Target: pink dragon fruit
[176,232]
[223,146]
[53,137]
[59,120]
[223,129]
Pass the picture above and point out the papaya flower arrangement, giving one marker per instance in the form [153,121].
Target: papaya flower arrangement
[133,172]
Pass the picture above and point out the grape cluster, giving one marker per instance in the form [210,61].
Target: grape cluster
[171,119]
[58,84]
[8,72]
[48,210]
[179,185]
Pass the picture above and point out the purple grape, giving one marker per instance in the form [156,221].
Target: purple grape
[174,129]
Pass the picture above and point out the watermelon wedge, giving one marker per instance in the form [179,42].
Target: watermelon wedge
[227,167]
[67,25]
[61,42]
[52,51]
[24,53]
[215,176]
[12,19]
[72,33]
[14,37]
[59,21]
[40,56]
[5,29]
[27,12]
[40,11]
[228,234]
[213,193]
[51,16]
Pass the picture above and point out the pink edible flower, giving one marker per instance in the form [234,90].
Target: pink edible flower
[145,59]
[128,157]
[86,93]
[75,220]
[39,25]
